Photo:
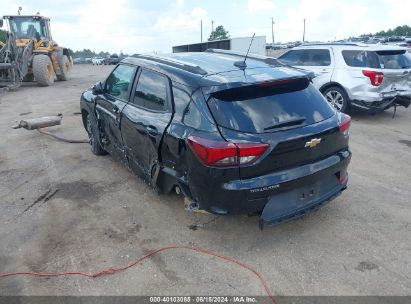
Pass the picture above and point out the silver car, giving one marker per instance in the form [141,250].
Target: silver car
[357,76]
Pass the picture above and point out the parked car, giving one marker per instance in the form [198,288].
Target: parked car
[234,139]
[113,59]
[97,60]
[79,60]
[353,76]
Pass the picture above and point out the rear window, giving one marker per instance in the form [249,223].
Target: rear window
[394,59]
[258,109]
[390,59]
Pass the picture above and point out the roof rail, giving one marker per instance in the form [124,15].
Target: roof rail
[192,68]
[265,59]
[334,43]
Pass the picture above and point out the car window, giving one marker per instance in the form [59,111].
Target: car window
[361,59]
[254,109]
[394,59]
[292,57]
[316,57]
[151,91]
[117,84]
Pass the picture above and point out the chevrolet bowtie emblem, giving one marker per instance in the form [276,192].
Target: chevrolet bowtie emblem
[312,143]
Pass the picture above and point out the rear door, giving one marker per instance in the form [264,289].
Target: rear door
[109,105]
[319,61]
[293,118]
[145,119]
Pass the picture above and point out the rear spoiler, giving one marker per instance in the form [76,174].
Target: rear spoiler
[235,85]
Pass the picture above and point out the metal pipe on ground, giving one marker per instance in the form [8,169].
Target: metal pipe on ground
[44,122]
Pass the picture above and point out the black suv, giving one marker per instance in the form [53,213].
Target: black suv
[233,135]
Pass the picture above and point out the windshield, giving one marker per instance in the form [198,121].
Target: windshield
[28,27]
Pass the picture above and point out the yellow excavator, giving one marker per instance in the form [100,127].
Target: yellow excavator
[30,53]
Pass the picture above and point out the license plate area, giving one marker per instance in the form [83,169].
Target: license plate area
[287,204]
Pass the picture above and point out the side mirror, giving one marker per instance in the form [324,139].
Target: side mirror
[1,22]
[97,88]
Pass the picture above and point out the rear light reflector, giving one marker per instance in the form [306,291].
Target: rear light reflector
[342,178]
[222,153]
[345,123]
[376,78]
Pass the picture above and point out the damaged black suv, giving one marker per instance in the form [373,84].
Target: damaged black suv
[233,134]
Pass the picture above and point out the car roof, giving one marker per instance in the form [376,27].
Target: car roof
[215,68]
[352,46]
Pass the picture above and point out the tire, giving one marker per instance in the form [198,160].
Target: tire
[43,70]
[92,131]
[338,98]
[65,69]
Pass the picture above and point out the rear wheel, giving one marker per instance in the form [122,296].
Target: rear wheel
[92,132]
[338,98]
[43,70]
[65,69]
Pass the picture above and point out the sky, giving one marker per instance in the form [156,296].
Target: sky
[139,26]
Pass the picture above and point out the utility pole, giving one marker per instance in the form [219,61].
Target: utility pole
[212,25]
[201,24]
[304,32]
[272,28]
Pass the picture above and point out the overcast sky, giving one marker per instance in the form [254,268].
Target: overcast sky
[135,26]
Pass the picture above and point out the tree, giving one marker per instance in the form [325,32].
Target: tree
[219,33]
[3,36]
[403,30]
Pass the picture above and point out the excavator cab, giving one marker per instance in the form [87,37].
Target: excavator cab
[30,54]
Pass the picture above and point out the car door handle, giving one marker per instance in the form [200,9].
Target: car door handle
[152,130]
[116,110]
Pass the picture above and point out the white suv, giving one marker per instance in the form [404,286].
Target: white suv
[367,77]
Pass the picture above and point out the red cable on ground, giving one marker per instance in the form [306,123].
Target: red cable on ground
[113,270]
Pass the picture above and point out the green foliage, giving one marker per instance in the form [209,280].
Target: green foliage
[403,30]
[219,33]
[3,35]
[86,53]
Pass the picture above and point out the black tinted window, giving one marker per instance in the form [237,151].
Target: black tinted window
[291,57]
[311,57]
[361,59]
[319,57]
[394,59]
[257,109]
[117,84]
[151,91]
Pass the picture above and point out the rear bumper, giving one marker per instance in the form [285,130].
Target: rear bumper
[386,100]
[250,196]
[297,202]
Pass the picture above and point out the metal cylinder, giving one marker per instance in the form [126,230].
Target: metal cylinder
[42,122]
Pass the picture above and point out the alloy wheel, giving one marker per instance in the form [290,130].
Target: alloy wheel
[336,99]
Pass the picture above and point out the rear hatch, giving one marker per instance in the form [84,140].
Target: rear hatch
[396,65]
[290,115]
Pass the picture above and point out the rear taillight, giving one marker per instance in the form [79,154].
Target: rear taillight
[375,77]
[222,153]
[344,125]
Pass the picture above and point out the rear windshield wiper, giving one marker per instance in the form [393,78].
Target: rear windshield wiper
[286,123]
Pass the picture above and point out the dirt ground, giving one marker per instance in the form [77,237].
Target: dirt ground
[62,209]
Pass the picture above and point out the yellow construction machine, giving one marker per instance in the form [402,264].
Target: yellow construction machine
[31,54]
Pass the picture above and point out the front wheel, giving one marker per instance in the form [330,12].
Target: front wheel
[92,132]
[338,98]
[43,70]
